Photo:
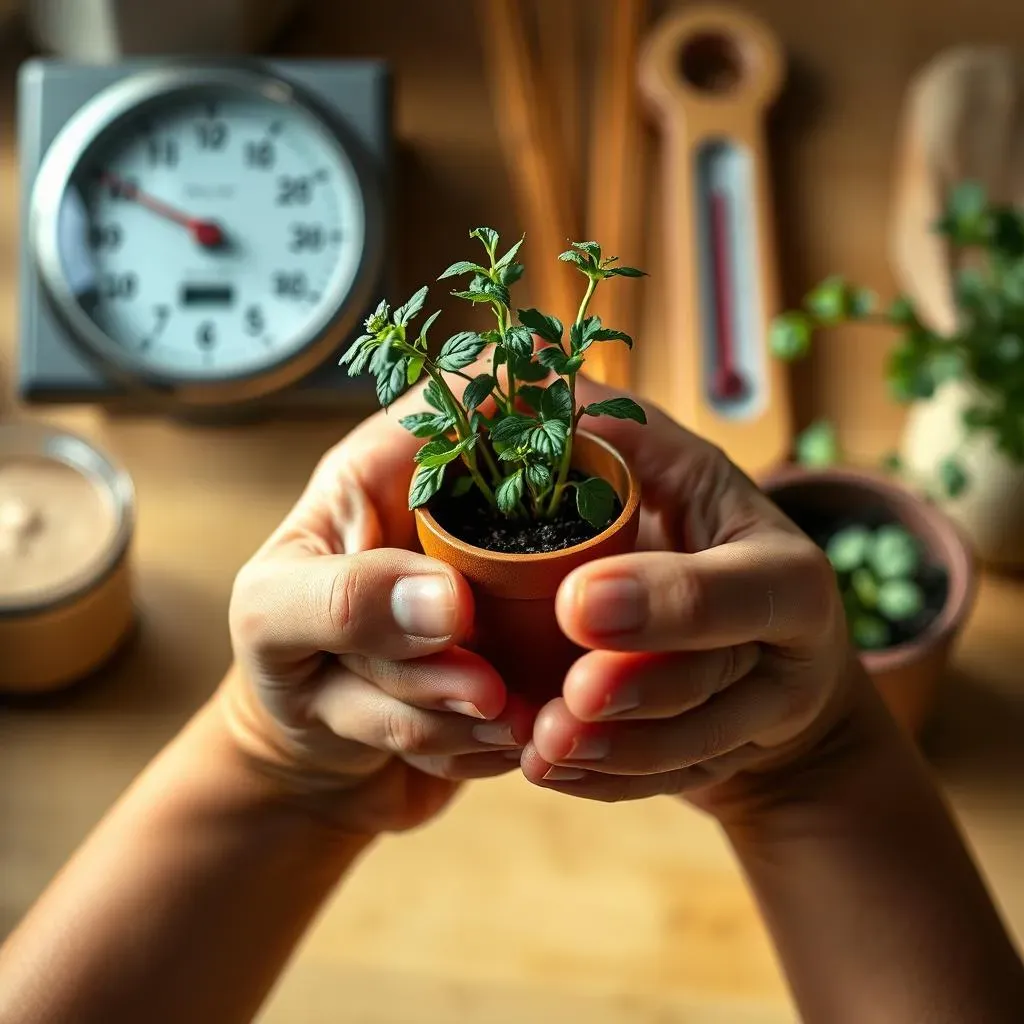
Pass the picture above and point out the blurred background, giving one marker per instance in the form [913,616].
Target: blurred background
[842,132]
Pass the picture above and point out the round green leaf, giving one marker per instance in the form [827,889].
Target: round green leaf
[870,633]
[848,549]
[899,600]
[894,553]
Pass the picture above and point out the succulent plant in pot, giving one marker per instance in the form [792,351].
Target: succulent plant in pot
[509,487]
[963,445]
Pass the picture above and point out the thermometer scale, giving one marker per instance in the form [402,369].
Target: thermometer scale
[709,74]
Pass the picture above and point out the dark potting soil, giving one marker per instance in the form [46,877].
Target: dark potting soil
[931,577]
[472,520]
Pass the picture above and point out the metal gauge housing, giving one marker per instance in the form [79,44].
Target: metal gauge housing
[209,233]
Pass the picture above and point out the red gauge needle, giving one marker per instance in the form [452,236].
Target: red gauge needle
[206,233]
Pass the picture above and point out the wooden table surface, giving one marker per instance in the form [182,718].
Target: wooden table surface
[517,905]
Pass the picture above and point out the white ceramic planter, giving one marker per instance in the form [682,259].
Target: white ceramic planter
[103,31]
[991,510]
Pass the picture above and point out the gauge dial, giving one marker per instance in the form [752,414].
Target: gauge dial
[207,230]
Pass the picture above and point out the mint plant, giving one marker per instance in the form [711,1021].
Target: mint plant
[513,434]
[877,572]
[986,349]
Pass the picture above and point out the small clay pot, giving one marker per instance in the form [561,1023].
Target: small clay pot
[514,619]
[908,674]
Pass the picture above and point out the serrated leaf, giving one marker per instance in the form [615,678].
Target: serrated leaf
[592,249]
[510,492]
[531,395]
[353,350]
[432,395]
[576,258]
[411,308]
[427,324]
[507,259]
[361,361]
[460,350]
[426,424]
[488,236]
[556,403]
[538,476]
[595,501]
[391,382]
[441,451]
[624,272]
[511,274]
[512,453]
[485,291]
[619,408]
[379,318]
[528,370]
[519,341]
[415,368]
[554,359]
[460,268]
[425,484]
[608,334]
[477,391]
[512,429]
[547,438]
[547,327]
[575,337]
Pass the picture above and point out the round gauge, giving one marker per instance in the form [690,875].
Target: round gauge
[206,232]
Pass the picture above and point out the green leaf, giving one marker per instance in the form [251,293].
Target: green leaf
[426,424]
[405,313]
[865,586]
[507,259]
[578,259]
[828,301]
[510,492]
[575,337]
[414,369]
[547,439]
[427,324]
[512,429]
[531,395]
[946,364]
[519,341]
[477,391]
[902,312]
[624,272]
[460,350]
[529,370]
[547,327]
[870,633]
[361,360]
[966,204]
[392,381]
[511,274]
[557,403]
[379,318]
[513,453]
[893,553]
[462,267]
[818,445]
[608,334]
[488,291]
[595,502]
[953,477]
[619,408]
[554,359]
[488,236]
[441,451]
[592,249]
[848,549]
[462,486]
[538,476]
[354,349]
[862,303]
[790,336]
[899,600]
[434,397]
[425,484]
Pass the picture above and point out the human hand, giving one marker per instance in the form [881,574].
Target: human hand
[350,684]
[718,651]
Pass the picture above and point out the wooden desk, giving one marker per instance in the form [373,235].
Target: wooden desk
[538,909]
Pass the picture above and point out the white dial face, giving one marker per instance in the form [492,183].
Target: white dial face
[212,236]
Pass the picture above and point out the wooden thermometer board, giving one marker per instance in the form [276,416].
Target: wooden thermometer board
[709,74]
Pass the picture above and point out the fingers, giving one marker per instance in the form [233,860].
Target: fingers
[385,603]
[356,710]
[727,721]
[774,587]
[608,685]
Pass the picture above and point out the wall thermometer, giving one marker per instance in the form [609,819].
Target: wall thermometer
[709,74]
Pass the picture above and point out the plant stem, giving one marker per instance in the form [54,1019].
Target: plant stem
[563,469]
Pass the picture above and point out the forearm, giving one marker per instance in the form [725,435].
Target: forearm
[185,902]
[875,906]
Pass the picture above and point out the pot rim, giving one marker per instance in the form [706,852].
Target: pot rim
[960,563]
[629,507]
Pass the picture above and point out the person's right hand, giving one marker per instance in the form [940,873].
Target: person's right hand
[349,683]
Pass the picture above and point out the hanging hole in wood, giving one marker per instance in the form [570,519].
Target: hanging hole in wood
[712,62]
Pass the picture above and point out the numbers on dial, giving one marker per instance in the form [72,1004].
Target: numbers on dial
[255,322]
[290,284]
[307,238]
[294,191]
[206,334]
[211,135]
[163,152]
[105,236]
[260,154]
[119,286]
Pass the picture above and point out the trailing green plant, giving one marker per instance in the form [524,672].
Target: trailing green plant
[986,348]
[877,572]
[513,434]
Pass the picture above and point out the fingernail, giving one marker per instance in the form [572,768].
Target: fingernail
[626,699]
[613,604]
[495,734]
[463,707]
[589,748]
[424,606]
[556,774]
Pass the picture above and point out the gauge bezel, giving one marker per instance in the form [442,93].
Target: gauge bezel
[96,122]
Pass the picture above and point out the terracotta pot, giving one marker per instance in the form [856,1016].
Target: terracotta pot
[908,674]
[514,622]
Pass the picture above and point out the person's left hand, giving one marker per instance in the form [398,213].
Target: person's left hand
[722,649]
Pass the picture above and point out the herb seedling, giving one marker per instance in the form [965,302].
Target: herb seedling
[986,349]
[878,574]
[513,435]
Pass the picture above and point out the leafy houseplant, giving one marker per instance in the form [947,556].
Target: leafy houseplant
[985,352]
[508,487]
